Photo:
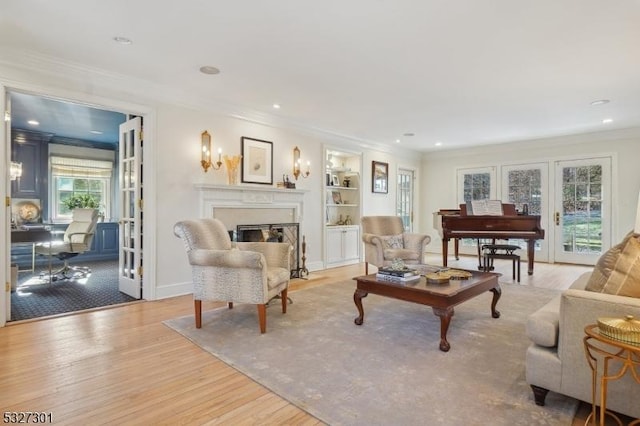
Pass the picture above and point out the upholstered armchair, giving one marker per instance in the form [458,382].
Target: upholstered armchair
[249,272]
[385,240]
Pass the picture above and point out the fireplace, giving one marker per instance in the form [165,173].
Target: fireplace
[275,232]
[256,208]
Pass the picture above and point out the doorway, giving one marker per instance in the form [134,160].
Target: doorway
[406,197]
[582,216]
[61,129]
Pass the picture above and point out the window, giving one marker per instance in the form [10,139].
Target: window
[73,176]
[476,184]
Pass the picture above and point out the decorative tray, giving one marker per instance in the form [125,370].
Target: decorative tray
[443,276]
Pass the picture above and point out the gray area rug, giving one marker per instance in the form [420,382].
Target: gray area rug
[389,370]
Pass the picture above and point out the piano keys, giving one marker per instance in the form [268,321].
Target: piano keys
[460,225]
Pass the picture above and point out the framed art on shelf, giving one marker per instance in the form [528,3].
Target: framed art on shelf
[379,177]
[257,161]
[337,197]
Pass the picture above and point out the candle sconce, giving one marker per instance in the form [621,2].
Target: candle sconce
[205,141]
[296,165]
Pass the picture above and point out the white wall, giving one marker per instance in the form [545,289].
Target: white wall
[439,171]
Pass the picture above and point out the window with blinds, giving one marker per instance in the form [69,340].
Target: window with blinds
[72,177]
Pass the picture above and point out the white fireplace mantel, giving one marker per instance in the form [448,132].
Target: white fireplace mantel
[246,200]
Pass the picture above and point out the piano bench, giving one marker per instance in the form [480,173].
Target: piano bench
[500,251]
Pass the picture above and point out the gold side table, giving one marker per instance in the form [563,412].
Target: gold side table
[626,354]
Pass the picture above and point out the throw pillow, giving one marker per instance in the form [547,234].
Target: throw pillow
[618,270]
[392,241]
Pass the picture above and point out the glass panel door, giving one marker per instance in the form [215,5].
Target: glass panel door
[404,202]
[582,214]
[526,186]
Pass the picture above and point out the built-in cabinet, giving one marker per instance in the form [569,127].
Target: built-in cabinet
[343,245]
[342,207]
[31,150]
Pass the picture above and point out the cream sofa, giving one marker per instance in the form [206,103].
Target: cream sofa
[556,359]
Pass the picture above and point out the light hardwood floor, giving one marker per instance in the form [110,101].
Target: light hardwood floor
[123,366]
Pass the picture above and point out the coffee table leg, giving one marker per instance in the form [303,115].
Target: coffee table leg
[445,315]
[497,292]
[357,298]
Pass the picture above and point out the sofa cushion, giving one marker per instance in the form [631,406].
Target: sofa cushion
[618,270]
[542,326]
[392,241]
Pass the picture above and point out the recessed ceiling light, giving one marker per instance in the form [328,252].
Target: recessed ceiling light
[207,69]
[276,106]
[438,143]
[397,140]
[600,102]
[123,40]
[607,121]
[409,134]
[34,122]
[95,132]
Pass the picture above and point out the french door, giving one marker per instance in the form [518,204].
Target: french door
[528,185]
[582,217]
[405,198]
[130,256]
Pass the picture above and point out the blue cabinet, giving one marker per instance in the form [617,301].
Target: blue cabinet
[30,149]
[103,247]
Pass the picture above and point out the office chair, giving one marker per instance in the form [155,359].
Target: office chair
[77,240]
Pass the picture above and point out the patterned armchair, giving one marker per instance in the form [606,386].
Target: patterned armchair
[250,272]
[385,240]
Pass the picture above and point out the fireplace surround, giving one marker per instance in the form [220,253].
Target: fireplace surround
[256,206]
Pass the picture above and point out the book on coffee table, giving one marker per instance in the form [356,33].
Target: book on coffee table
[393,278]
[405,272]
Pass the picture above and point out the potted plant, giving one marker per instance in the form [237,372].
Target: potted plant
[83,201]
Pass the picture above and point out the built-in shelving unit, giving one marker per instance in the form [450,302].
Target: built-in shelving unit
[342,207]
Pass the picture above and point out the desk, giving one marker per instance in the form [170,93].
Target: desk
[626,354]
[32,236]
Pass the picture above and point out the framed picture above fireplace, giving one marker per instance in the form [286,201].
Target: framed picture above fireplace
[257,161]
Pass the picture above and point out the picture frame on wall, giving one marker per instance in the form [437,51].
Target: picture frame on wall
[379,177]
[257,161]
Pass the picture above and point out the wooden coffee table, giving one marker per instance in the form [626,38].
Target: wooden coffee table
[441,297]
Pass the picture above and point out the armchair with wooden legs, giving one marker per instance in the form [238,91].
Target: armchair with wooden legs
[384,240]
[243,272]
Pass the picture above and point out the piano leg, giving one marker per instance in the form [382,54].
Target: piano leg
[480,267]
[531,249]
[445,250]
[456,247]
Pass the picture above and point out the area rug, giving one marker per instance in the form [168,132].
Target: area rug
[36,298]
[389,370]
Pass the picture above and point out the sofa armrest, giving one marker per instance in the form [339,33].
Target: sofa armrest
[579,308]
[543,325]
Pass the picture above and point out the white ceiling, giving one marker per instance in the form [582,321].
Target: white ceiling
[459,72]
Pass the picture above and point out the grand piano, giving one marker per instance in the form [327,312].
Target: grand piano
[456,224]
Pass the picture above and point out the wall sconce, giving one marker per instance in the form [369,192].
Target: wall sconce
[296,165]
[15,170]
[206,153]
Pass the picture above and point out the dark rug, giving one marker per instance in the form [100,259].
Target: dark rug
[36,298]
[389,370]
